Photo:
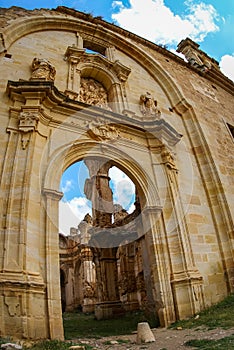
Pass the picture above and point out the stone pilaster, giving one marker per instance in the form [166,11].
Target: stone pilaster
[186,281]
[52,198]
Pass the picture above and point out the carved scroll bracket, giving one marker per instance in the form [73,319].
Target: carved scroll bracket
[27,124]
[168,159]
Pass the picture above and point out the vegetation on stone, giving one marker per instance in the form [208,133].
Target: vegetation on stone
[218,315]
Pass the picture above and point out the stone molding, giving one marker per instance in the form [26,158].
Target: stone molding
[159,128]
[53,194]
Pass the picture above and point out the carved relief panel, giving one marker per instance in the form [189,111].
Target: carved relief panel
[92,92]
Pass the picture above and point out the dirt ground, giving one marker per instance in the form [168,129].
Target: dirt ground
[165,339]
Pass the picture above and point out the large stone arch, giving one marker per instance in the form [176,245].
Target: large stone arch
[180,293]
[107,38]
[71,153]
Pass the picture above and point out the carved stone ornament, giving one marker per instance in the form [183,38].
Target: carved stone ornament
[92,92]
[100,131]
[148,106]
[27,123]
[168,159]
[13,305]
[42,69]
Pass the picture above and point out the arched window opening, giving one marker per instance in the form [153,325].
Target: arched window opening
[75,205]
[100,199]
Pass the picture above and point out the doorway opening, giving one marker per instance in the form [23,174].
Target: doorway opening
[103,251]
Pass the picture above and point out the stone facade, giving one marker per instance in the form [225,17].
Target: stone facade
[72,88]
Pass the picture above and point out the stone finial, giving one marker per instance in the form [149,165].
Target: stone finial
[144,333]
[42,69]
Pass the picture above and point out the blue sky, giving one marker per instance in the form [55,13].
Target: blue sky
[74,205]
[210,23]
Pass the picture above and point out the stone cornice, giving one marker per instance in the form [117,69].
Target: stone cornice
[50,96]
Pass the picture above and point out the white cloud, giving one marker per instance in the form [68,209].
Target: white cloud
[203,19]
[227,66]
[123,188]
[153,20]
[68,186]
[72,212]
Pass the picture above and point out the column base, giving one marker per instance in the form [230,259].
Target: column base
[131,305]
[108,310]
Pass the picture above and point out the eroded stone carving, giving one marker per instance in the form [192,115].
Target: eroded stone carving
[13,305]
[119,212]
[28,121]
[89,289]
[100,131]
[42,69]
[93,93]
[83,228]
[27,124]
[148,106]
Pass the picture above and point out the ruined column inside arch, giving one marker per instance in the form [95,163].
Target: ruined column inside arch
[98,191]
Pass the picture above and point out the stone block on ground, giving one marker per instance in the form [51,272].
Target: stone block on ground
[144,333]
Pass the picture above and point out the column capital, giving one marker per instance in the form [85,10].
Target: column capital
[53,194]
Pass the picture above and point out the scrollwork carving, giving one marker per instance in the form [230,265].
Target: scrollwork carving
[101,131]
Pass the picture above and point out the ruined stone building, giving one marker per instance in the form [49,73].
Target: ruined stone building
[74,87]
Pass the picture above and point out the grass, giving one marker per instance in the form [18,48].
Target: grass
[218,315]
[226,343]
[54,345]
[79,325]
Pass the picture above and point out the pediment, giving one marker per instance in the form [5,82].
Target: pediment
[84,59]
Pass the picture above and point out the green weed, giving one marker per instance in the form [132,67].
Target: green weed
[79,325]
[55,345]
[218,315]
[226,343]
